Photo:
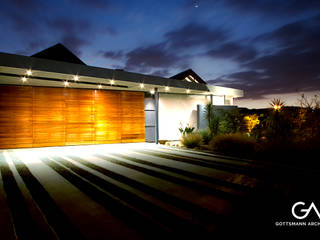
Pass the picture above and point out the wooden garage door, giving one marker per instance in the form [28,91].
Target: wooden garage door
[39,116]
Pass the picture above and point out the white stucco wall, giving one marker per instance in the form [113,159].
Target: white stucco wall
[175,109]
[218,100]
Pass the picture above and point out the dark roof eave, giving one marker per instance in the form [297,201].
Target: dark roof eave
[24,62]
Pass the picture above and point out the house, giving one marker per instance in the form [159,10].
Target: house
[54,99]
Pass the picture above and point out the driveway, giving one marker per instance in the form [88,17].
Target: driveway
[125,191]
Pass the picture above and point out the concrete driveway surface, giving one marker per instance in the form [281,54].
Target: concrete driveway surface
[128,191]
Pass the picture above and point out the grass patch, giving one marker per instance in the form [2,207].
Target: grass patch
[191,140]
[234,144]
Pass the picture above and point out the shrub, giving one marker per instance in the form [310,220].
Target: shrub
[212,118]
[232,121]
[186,130]
[214,125]
[191,140]
[233,144]
[206,135]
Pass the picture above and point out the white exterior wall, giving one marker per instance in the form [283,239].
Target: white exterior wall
[175,109]
[218,100]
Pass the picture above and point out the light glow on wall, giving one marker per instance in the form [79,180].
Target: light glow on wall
[176,110]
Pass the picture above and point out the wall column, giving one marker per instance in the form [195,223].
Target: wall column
[156,96]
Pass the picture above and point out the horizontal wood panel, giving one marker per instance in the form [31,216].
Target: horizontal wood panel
[39,116]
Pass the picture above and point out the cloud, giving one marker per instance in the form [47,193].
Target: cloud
[233,51]
[73,34]
[293,67]
[194,35]
[144,59]
[109,30]
[302,34]
[20,14]
[93,4]
[115,55]
[275,8]
[30,5]
[161,73]
[38,22]
[172,52]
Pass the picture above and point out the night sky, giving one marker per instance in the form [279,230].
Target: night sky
[265,47]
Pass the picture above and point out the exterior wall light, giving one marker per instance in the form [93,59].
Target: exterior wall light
[111,82]
[167,88]
[24,79]
[76,78]
[276,107]
[152,91]
[66,83]
[188,91]
[277,104]
[141,85]
[99,86]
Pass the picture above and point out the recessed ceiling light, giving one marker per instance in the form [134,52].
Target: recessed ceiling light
[29,72]
[99,86]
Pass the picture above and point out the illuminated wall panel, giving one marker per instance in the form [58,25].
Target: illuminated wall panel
[40,116]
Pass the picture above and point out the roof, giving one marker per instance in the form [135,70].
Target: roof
[60,53]
[185,75]
[54,66]
[53,73]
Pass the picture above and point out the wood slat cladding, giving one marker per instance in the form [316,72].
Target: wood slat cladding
[48,117]
[40,116]
[16,110]
[132,113]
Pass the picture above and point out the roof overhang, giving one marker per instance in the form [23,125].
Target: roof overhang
[220,91]
[53,74]
[49,73]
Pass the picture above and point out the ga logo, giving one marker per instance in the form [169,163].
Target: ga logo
[304,212]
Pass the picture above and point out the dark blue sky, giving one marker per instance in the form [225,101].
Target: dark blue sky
[261,46]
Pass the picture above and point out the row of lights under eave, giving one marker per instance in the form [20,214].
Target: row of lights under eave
[167,89]
[76,78]
[65,83]
[25,77]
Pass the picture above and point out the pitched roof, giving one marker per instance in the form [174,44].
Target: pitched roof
[185,75]
[59,53]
